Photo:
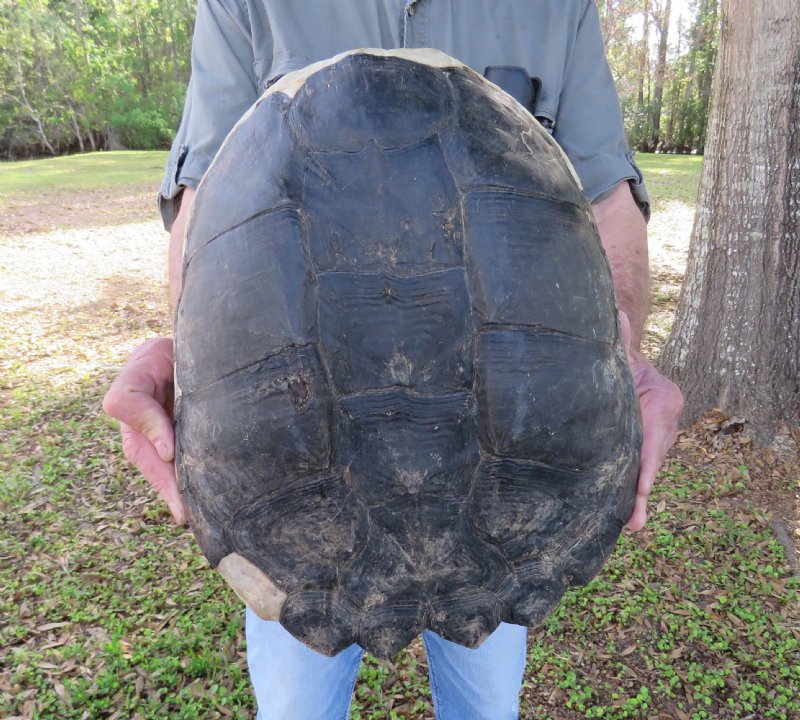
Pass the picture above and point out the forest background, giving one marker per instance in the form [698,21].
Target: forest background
[79,75]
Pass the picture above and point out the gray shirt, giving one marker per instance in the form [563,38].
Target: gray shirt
[241,46]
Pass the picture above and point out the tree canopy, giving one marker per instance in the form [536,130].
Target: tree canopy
[662,56]
[92,74]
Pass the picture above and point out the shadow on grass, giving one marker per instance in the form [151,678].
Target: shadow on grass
[55,208]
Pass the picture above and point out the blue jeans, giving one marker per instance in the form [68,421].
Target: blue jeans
[292,682]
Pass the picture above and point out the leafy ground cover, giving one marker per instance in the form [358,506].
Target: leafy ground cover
[109,611]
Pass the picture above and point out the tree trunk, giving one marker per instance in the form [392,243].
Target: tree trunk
[662,26]
[644,55]
[674,95]
[709,10]
[32,113]
[141,42]
[76,128]
[735,343]
[686,107]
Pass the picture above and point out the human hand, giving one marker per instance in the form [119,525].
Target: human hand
[661,403]
[141,399]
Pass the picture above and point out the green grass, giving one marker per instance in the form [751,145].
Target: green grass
[693,615]
[83,172]
[671,177]
[106,606]
[668,176]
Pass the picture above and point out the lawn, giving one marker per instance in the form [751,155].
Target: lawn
[109,611]
[671,177]
[87,171]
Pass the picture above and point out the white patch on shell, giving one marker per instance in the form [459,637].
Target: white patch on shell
[259,593]
[400,368]
[290,83]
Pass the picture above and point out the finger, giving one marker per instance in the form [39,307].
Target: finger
[131,402]
[639,514]
[653,454]
[654,450]
[650,463]
[659,434]
[660,430]
[161,475]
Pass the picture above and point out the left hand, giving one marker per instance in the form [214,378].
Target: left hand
[661,403]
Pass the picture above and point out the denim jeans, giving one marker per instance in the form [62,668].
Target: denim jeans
[293,682]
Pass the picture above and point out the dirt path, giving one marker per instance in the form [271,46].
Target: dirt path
[57,210]
[80,287]
[74,247]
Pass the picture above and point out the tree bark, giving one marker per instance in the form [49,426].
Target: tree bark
[32,113]
[644,56]
[674,95]
[76,128]
[735,343]
[709,11]
[661,17]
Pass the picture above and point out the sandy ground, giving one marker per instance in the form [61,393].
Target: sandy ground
[668,238]
[84,293]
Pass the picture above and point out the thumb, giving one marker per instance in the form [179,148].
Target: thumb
[150,418]
[160,474]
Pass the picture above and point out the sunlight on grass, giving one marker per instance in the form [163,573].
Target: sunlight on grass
[671,177]
[84,171]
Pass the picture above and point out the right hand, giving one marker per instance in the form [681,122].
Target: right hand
[141,399]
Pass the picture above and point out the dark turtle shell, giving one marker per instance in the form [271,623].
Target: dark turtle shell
[403,401]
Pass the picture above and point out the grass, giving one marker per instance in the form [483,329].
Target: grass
[691,618]
[109,611]
[668,176]
[86,171]
[671,177]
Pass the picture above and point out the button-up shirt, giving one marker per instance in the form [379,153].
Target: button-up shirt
[241,46]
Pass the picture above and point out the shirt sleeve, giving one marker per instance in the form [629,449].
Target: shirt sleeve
[589,122]
[221,88]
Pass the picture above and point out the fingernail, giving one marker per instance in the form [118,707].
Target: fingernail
[163,451]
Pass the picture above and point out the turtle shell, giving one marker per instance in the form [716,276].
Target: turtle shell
[402,397]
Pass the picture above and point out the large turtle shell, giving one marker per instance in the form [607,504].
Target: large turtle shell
[403,401]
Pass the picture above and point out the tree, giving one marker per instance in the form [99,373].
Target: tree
[736,338]
[72,71]
[661,16]
[693,74]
